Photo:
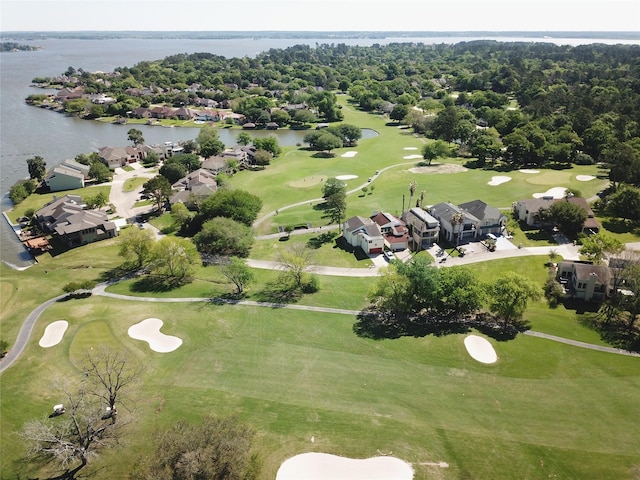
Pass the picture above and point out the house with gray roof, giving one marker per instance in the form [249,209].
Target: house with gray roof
[456,225]
[68,219]
[584,280]
[490,219]
[363,233]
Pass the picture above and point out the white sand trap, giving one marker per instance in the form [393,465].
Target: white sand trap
[584,178]
[346,177]
[349,154]
[410,148]
[480,349]
[149,331]
[412,157]
[53,333]
[497,180]
[322,466]
[527,170]
[555,192]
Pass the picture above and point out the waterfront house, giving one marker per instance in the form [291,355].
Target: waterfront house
[121,156]
[67,219]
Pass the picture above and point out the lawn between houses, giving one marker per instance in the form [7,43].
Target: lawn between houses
[544,409]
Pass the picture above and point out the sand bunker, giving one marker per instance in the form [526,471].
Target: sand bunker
[410,148]
[439,168]
[412,157]
[53,333]
[497,180]
[555,192]
[346,177]
[149,331]
[527,170]
[349,154]
[322,466]
[480,349]
[584,178]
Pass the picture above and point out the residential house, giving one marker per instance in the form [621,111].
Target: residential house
[527,211]
[244,155]
[121,156]
[69,175]
[161,112]
[394,231]
[424,229]
[184,113]
[67,219]
[215,164]
[208,116]
[490,219]
[62,178]
[69,94]
[194,188]
[456,225]
[363,233]
[584,280]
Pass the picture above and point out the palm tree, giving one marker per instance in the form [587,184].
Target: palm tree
[457,220]
[421,201]
[412,190]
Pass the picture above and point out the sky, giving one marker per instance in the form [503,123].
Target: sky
[320,15]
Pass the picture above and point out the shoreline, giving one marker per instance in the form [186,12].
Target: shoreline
[17,230]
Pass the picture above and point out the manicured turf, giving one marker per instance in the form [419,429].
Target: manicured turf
[544,410]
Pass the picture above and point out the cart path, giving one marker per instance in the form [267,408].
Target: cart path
[29,323]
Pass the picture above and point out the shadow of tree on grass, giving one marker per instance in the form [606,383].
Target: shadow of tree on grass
[376,325]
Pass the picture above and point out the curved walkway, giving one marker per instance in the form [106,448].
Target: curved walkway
[29,323]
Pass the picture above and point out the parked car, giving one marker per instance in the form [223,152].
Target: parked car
[388,255]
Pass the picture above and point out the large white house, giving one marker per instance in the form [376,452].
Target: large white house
[364,233]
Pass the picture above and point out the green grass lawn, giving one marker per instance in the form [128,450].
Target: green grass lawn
[544,410]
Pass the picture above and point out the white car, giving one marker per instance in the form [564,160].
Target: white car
[388,255]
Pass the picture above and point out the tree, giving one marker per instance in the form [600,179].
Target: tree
[510,295]
[174,259]
[460,292]
[303,116]
[173,171]
[135,246]
[399,112]
[243,138]
[18,192]
[37,168]
[434,150]
[100,172]
[111,375]
[332,186]
[216,448]
[484,146]
[599,246]
[568,216]
[624,203]
[210,144]
[327,141]
[350,134]
[270,144]
[134,135]
[180,214]
[296,262]
[224,236]
[67,444]
[412,190]
[75,288]
[262,157]
[98,201]
[239,205]
[336,207]
[239,273]
[159,189]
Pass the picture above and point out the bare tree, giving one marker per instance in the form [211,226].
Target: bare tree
[412,190]
[74,434]
[110,372]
